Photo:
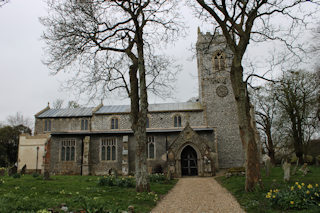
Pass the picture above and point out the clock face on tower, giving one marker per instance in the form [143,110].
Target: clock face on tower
[222,91]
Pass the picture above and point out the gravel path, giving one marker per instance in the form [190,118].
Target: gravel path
[198,195]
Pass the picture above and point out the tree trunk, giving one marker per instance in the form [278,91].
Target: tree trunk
[247,132]
[270,144]
[142,182]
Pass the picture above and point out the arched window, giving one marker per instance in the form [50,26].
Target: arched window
[114,123]
[177,121]
[151,147]
[68,154]
[63,153]
[108,153]
[103,153]
[113,153]
[219,61]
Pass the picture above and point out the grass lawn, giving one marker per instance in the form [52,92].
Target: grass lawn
[29,194]
[256,201]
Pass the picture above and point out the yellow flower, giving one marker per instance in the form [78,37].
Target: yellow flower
[292,188]
[268,196]
[317,185]
[273,196]
[302,184]
[299,186]
[297,183]
[309,186]
[316,194]
[308,192]
[270,190]
[291,202]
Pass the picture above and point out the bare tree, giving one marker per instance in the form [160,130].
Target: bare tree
[241,22]
[110,45]
[265,112]
[297,94]
[19,119]
[57,104]
[3,2]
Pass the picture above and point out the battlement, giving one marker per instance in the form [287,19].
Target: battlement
[216,37]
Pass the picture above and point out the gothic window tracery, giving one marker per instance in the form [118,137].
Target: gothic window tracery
[108,149]
[151,147]
[219,61]
[68,150]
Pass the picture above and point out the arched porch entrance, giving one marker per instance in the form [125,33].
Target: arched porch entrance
[189,164]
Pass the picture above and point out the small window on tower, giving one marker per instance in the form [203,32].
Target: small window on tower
[218,61]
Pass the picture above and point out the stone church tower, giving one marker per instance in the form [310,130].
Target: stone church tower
[216,96]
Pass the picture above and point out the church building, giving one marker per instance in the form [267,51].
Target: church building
[190,138]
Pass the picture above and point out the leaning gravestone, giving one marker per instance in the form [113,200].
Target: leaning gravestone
[304,169]
[12,171]
[23,170]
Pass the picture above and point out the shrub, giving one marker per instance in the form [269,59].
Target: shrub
[157,169]
[298,196]
[111,180]
[294,158]
[16,175]
[35,175]
[308,159]
[155,178]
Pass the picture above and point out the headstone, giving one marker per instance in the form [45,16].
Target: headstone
[267,163]
[286,171]
[12,170]
[304,169]
[23,170]
[46,175]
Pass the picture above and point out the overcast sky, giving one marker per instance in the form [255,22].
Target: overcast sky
[25,83]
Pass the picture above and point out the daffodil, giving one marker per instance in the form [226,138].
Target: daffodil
[299,186]
[297,183]
[292,188]
[308,192]
[302,184]
[309,186]
[291,202]
[317,185]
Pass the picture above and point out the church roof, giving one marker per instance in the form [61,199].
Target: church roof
[118,109]
[76,112]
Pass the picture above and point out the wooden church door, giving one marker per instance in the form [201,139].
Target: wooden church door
[189,165]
